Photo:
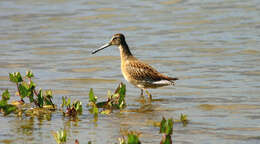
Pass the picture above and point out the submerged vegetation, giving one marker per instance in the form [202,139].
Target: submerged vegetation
[41,104]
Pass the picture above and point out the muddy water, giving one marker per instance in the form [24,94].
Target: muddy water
[212,46]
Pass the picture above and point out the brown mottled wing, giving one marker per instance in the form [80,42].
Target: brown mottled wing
[143,71]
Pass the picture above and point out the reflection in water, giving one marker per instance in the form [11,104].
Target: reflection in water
[212,46]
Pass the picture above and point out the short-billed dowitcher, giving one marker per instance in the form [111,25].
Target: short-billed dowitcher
[137,72]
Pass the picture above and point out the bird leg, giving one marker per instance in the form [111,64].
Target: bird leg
[142,92]
[149,95]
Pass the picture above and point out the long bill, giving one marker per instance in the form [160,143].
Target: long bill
[103,47]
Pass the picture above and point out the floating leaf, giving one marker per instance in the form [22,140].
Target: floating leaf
[9,109]
[106,112]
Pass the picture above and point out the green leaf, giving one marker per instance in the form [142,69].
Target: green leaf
[48,97]
[9,109]
[133,139]
[166,126]
[15,77]
[61,136]
[24,90]
[29,74]
[48,93]
[3,103]
[31,97]
[4,106]
[78,106]
[92,97]
[6,95]
[118,98]
[40,98]
[184,119]
[32,85]
[122,92]
[63,101]
[162,125]
[68,102]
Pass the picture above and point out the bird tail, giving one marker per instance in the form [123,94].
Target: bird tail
[171,80]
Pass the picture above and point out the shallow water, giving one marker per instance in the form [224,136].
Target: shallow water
[212,46]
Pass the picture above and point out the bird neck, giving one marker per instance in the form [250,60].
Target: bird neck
[124,51]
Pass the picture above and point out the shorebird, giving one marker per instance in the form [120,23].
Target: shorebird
[136,72]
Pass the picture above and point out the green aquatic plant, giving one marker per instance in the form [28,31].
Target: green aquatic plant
[114,101]
[27,88]
[92,97]
[6,108]
[166,128]
[117,100]
[60,136]
[184,119]
[93,105]
[132,138]
[72,109]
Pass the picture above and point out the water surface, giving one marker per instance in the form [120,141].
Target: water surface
[212,46]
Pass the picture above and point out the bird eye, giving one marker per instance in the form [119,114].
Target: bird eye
[116,38]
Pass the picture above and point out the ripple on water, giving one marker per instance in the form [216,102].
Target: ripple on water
[230,107]
[82,70]
[251,73]
[249,52]
[100,16]
[170,2]
[86,80]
